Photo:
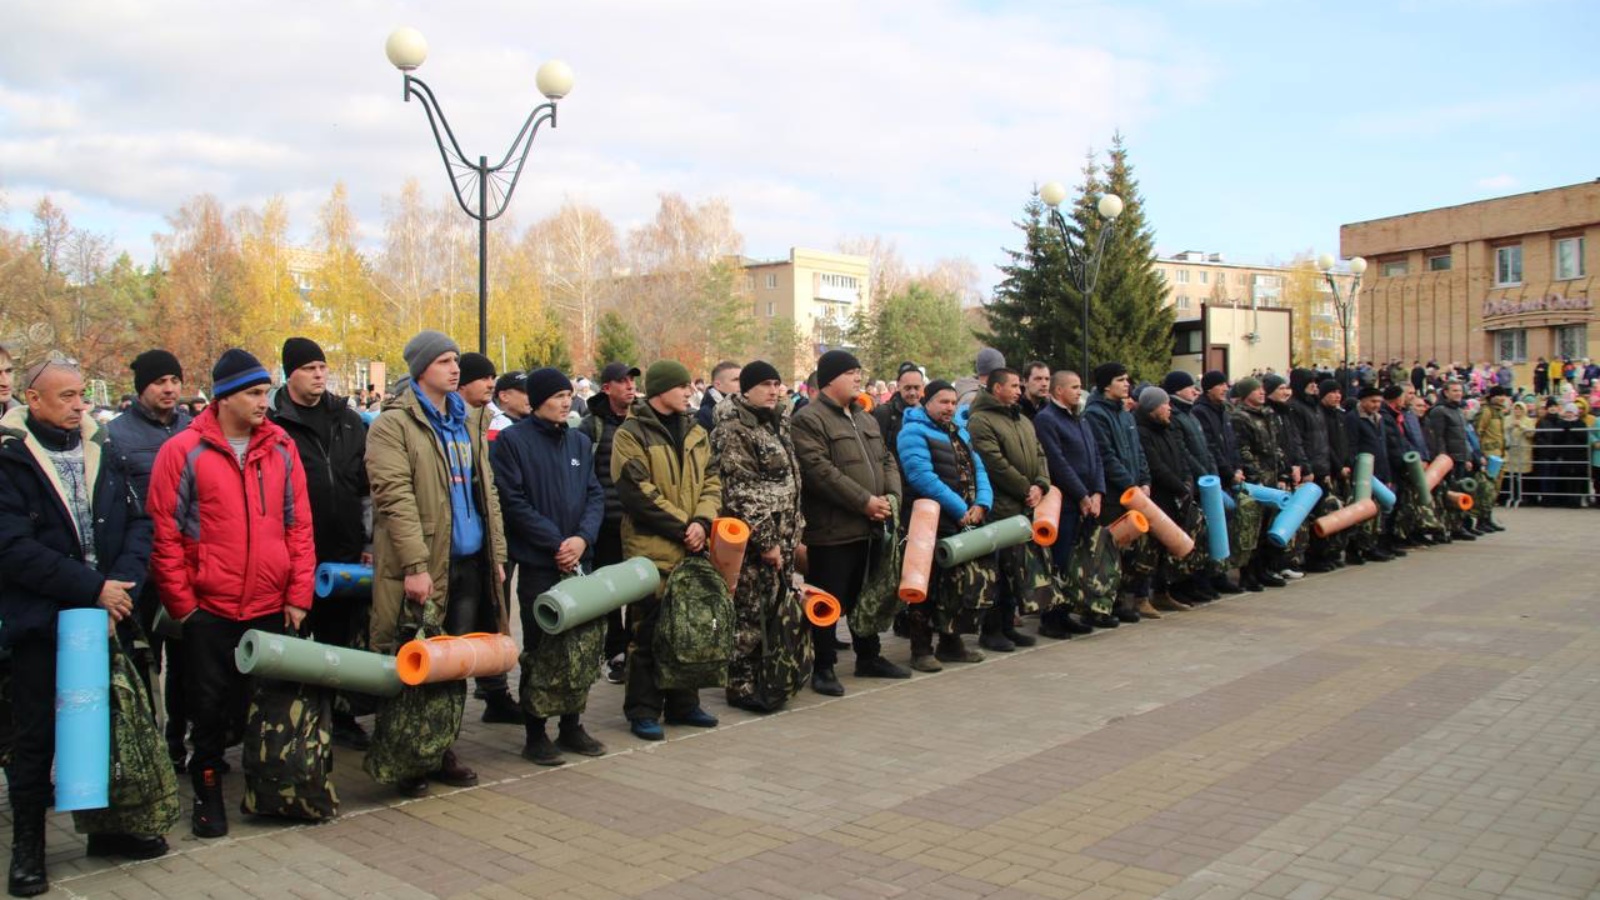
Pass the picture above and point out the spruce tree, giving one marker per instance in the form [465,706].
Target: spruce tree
[1128,320]
[1031,313]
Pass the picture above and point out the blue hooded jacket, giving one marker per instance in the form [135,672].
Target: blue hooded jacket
[918,437]
[466,523]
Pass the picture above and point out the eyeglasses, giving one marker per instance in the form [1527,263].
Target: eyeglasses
[52,358]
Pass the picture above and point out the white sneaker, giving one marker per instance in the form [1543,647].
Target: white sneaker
[1291,574]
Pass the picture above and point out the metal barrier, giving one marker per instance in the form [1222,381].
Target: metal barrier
[1554,479]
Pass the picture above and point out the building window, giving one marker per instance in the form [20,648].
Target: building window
[772,309]
[1512,344]
[772,282]
[1439,263]
[842,282]
[1239,278]
[1205,277]
[1508,265]
[1393,268]
[1572,341]
[1183,276]
[1183,301]
[1569,258]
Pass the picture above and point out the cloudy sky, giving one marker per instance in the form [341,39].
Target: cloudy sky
[1256,127]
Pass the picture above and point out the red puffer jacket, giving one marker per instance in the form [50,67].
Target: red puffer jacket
[234,541]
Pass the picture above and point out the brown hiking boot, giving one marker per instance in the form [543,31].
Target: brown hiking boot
[1165,602]
[453,773]
[1146,610]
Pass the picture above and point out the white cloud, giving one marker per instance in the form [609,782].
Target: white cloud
[927,120]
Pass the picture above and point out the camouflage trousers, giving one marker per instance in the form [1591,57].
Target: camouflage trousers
[1414,512]
[1332,546]
[1027,578]
[960,595]
[1484,497]
[1244,530]
[772,655]
[556,670]
[1094,574]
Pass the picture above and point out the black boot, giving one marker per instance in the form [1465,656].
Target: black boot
[210,818]
[539,749]
[27,877]
[500,708]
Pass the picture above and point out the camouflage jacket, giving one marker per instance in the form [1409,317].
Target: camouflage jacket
[760,475]
[1258,445]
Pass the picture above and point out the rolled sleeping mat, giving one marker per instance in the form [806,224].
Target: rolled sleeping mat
[1267,496]
[1289,519]
[1418,475]
[1129,527]
[368,416]
[1175,539]
[1467,485]
[729,537]
[822,608]
[1494,465]
[968,545]
[1460,501]
[1438,468]
[1228,503]
[1354,514]
[573,601]
[83,709]
[308,662]
[1216,514]
[447,657]
[1047,518]
[1361,478]
[344,580]
[865,399]
[1382,494]
[916,565]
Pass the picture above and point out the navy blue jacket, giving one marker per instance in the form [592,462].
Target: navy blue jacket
[138,438]
[1224,444]
[1069,446]
[1367,436]
[544,474]
[40,553]
[1117,437]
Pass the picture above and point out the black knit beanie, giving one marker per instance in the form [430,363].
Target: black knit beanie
[1107,372]
[151,366]
[299,351]
[757,373]
[833,364]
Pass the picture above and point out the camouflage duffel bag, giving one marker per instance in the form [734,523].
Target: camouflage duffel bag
[288,752]
[143,790]
[694,639]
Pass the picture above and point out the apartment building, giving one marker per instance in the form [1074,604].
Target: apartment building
[818,290]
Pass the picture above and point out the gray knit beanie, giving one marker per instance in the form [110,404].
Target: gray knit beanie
[1151,399]
[423,349]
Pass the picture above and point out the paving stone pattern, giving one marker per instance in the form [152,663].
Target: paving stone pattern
[1426,728]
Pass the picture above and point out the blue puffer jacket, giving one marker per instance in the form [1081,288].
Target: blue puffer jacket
[928,463]
[548,490]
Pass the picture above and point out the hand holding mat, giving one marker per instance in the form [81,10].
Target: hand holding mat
[451,658]
[729,539]
[344,580]
[308,662]
[574,601]
[1174,538]
[1047,518]
[83,709]
[968,545]
[916,565]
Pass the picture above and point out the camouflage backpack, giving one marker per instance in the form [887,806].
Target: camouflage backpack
[880,592]
[415,728]
[288,752]
[694,639]
[144,790]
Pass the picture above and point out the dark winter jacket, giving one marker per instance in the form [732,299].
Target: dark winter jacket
[889,416]
[1195,447]
[1171,484]
[1220,439]
[1447,433]
[601,426]
[1334,422]
[1370,436]
[138,436]
[333,448]
[40,552]
[1070,449]
[843,464]
[1286,430]
[1012,455]
[706,415]
[549,491]
[1260,453]
[1394,439]
[933,469]
[233,540]
[1305,412]
[1117,438]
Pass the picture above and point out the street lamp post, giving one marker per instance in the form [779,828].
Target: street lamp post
[1344,305]
[1083,267]
[470,180]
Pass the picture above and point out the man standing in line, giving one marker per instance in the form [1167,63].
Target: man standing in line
[1019,475]
[907,395]
[607,410]
[847,478]
[511,401]
[477,389]
[1035,388]
[1075,469]
[72,536]
[155,416]
[724,382]
[332,442]
[553,504]
[662,467]
[234,550]
[1211,410]
[437,541]
[1262,461]
[1116,436]
[1447,435]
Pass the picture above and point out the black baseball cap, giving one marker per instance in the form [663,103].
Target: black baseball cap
[617,371]
[512,381]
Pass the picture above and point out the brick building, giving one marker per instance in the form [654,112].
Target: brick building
[1503,279]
